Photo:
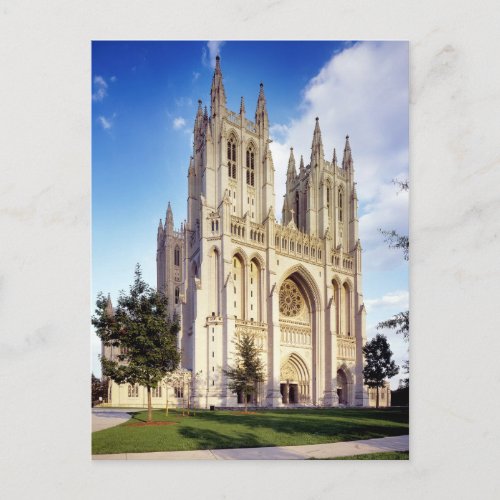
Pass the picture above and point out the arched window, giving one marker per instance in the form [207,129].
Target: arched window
[177,256]
[328,200]
[250,166]
[177,295]
[341,204]
[231,157]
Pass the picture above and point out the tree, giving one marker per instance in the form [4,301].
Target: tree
[98,388]
[249,369]
[145,335]
[378,363]
[400,321]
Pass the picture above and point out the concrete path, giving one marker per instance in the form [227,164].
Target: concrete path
[103,418]
[329,450]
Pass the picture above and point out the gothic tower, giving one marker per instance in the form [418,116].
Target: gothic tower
[294,286]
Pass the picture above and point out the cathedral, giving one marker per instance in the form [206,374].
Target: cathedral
[232,268]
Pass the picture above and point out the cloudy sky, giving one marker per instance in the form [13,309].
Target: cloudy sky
[144,99]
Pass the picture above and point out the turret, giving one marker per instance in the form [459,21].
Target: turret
[317,153]
[160,231]
[347,162]
[285,211]
[302,169]
[217,92]
[261,118]
[169,220]
[291,173]
[334,160]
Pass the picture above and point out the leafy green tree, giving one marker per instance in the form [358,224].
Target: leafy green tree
[400,321]
[98,389]
[378,363]
[248,370]
[146,336]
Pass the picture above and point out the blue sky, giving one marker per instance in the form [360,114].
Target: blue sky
[144,99]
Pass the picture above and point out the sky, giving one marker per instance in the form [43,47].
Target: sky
[144,98]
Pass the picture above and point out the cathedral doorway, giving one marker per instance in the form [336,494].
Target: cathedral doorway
[289,393]
[295,386]
[342,387]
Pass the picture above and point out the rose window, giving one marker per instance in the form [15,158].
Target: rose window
[290,299]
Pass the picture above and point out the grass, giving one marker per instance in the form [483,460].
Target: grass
[385,455]
[228,429]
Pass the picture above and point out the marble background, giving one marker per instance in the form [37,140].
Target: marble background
[45,240]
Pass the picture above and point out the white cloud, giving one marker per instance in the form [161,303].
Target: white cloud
[100,88]
[209,53]
[106,123]
[397,300]
[113,79]
[179,123]
[361,91]
[196,75]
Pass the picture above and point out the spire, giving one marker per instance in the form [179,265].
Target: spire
[109,307]
[291,173]
[169,219]
[317,144]
[217,92]
[347,160]
[198,121]
[334,161]
[284,211]
[301,168]
[242,106]
[261,111]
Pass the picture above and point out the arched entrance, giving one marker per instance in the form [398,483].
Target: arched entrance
[299,323]
[295,383]
[344,384]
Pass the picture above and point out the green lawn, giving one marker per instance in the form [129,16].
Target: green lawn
[229,429]
[385,455]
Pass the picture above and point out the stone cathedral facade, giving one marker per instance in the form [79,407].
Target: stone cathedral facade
[232,268]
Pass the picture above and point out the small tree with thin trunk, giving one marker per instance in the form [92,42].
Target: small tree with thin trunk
[378,363]
[248,370]
[146,337]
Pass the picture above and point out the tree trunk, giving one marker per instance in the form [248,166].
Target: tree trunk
[150,406]
[377,396]
[245,395]
[166,404]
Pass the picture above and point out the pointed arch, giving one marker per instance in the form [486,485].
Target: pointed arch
[215,279]
[250,163]
[231,153]
[345,383]
[340,203]
[238,271]
[295,380]
[242,253]
[306,280]
[259,258]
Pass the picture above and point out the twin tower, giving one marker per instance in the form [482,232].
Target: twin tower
[233,269]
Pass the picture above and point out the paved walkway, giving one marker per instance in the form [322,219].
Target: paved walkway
[329,450]
[103,418]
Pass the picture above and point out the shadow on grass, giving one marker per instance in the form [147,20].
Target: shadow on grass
[339,425]
[208,439]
